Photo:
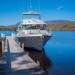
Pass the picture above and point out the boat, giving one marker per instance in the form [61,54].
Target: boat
[32,31]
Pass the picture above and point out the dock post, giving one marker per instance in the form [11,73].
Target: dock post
[3,46]
[2,43]
[0,49]
[38,62]
[13,36]
[19,43]
[2,35]
[23,46]
[5,42]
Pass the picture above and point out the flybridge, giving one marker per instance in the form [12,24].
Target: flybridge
[31,14]
[32,21]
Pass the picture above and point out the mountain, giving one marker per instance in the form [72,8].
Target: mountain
[17,24]
[62,27]
[57,25]
[10,27]
[49,22]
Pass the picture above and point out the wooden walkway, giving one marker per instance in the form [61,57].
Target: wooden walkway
[16,62]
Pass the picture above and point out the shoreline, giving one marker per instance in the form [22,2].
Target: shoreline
[48,30]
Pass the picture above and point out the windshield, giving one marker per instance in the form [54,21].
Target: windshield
[42,27]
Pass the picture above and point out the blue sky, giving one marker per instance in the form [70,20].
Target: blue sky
[11,10]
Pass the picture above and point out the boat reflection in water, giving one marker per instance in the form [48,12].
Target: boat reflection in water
[40,58]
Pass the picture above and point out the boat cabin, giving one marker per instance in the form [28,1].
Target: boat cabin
[32,23]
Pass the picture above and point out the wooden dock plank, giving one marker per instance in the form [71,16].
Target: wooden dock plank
[21,63]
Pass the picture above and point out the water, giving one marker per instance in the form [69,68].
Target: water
[7,33]
[61,51]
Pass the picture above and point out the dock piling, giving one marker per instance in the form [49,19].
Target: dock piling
[23,46]
[2,43]
[19,43]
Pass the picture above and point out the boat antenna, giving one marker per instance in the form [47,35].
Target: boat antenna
[39,4]
[30,5]
[39,8]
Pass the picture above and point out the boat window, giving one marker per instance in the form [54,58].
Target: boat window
[42,27]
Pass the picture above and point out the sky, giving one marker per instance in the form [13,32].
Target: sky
[11,10]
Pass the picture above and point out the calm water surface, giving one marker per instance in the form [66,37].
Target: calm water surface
[7,33]
[61,51]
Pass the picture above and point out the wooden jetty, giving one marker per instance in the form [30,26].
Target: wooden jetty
[16,62]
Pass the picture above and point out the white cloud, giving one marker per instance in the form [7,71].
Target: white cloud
[60,7]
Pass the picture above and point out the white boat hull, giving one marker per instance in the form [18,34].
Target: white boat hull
[35,42]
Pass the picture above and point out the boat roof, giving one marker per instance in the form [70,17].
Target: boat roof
[32,21]
[31,13]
